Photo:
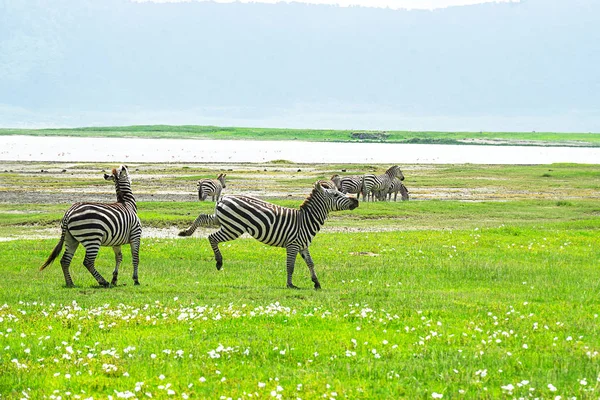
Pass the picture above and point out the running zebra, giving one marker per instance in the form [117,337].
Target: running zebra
[274,225]
[348,184]
[101,224]
[211,187]
[380,183]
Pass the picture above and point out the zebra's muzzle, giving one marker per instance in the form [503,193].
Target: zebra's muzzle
[353,203]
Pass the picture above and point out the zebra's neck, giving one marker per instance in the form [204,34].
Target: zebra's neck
[124,193]
[313,212]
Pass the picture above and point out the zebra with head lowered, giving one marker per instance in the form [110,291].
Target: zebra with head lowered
[395,187]
[274,225]
[211,187]
[374,184]
[101,224]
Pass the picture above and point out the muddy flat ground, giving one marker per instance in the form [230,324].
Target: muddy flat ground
[57,183]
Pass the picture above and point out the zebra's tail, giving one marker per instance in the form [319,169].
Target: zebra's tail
[363,188]
[56,251]
[205,220]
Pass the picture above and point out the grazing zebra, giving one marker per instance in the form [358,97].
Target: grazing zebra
[348,184]
[101,224]
[274,225]
[380,183]
[211,187]
[395,187]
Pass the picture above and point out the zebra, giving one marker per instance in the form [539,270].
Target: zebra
[348,184]
[379,183]
[101,224]
[274,225]
[211,187]
[395,187]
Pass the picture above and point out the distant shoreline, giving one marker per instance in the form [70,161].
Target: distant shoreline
[535,139]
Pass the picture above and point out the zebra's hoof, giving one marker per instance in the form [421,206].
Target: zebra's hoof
[219,265]
[113,282]
[104,284]
[317,286]
[182,233]
[290,286]
[136,283]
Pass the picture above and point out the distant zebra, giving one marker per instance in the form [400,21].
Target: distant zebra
[348,184]
[395,187]
[380,183]
[274,225]
[101,224]
[211,187]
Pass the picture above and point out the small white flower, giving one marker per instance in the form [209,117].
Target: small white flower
[261,384]
[552,388]
[202,379]
[437,395]
[583,382]
[509,388]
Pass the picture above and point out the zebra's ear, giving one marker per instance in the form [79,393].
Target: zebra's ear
[319,187]
[109,177]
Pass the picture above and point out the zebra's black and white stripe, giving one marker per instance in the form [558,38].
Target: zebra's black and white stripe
[101,224]
[348,184]
[211,187]
[274,225]
[395,187]
[374,184]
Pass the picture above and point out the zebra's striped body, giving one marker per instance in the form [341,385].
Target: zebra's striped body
[274,225]
[374,184]
[211,187]
[348,184]
[395,187]
[101,224]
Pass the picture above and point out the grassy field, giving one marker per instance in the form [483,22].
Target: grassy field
[484,285]
[215,132]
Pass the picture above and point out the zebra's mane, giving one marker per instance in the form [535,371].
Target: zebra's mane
[316,193]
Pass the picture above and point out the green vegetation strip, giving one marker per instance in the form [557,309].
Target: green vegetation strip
[239,133]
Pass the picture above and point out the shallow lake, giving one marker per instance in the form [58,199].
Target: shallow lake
[77,149]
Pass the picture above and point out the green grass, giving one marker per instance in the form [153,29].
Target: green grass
[402,314]
[216,132]
[469,299]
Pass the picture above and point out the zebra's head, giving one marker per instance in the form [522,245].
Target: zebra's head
[336,179]
[334,199]
[119,175]
[395,172]
[404,193]
[221,178]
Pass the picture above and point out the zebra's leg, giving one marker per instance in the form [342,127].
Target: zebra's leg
[135,257]
[197,222]
[91,251]
[118,260]
[311,267]
[71,245]
[222,235]
[292,253]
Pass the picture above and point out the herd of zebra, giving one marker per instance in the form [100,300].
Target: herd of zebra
[370,186]
[114,224]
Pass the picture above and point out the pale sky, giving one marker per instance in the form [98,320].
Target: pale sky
[391,4]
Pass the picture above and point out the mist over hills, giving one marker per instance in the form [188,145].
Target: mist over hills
[526,66]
